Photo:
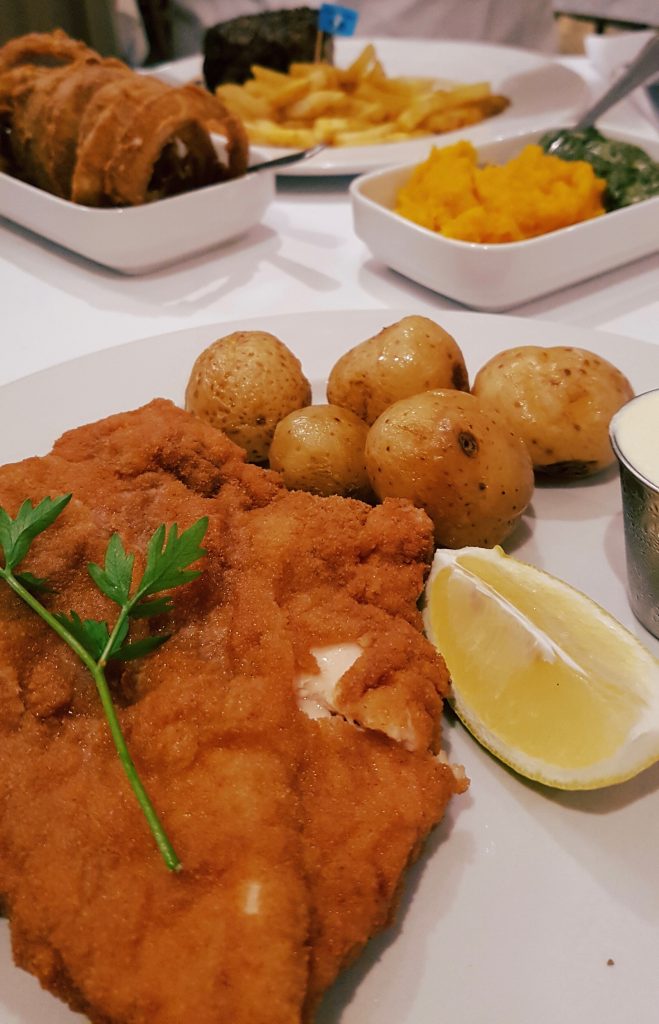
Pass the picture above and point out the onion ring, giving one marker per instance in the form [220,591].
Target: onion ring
[94,131]
[103,122]
[158,124]
[68,103]
[43,49]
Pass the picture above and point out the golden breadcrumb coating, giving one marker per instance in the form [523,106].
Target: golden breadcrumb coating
[294,832]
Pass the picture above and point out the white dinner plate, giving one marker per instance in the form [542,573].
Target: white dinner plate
[529,905]
[541,90]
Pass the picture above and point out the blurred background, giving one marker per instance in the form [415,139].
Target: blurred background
[144,32]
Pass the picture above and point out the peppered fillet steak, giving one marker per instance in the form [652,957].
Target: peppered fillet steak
[295,801]
[274,39]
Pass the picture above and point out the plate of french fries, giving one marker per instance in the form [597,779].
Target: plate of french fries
[386,101]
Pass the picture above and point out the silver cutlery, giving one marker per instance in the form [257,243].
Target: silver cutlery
[644,66]
[285,161]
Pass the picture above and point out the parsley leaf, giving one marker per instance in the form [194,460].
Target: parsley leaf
[31,581]
[169,555]
[128,652]
[16,535]
[167,561]
[115,579]
[147,609]
[89,633]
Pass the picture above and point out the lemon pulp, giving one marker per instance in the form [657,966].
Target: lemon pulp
[541,675]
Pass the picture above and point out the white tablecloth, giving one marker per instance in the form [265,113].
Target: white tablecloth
[304,256]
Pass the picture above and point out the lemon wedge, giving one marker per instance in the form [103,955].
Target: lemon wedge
[542,676]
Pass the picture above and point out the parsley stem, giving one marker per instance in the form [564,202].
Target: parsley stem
[149,811]
[96,669]
[121,618]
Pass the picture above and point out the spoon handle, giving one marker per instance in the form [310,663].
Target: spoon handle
[645,64]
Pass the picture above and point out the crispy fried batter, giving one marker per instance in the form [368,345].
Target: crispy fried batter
[42,49]
[294,832]
[68,102]
[24,62]
[108,114]
[45,119]
[140,139]
[94,131]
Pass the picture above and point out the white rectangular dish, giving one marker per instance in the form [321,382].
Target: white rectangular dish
[139,239]
[497,277]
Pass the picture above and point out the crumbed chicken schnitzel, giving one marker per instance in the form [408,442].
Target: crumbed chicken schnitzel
[294,795]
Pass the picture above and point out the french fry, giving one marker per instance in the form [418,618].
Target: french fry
[455,118]
[269,133]
[360,65]
[421,108]
[283,97]
[243,103]
[262,74]
[354,106]
[365,136]
[318,103]
[467,93]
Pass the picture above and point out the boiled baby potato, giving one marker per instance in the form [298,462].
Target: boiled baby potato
[452,455]
[243,384]
[560,401]
[413,355]
[321,449]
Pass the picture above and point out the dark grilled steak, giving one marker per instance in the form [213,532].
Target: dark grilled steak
[274,39]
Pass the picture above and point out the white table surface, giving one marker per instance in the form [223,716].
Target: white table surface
[304,256]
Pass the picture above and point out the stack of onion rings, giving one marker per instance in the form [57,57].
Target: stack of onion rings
[92,130]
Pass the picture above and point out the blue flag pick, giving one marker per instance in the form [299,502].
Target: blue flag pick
[337,21]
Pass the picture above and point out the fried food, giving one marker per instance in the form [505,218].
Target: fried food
[23,61]
[355,106]
[42,49]
[142,140]
[295,806]
[46,119]
[94,131]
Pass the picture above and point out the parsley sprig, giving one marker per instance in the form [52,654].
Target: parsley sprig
[168,558]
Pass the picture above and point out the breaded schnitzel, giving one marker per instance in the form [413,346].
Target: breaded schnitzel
[294,801]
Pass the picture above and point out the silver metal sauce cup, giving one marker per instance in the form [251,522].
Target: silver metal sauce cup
[640,506]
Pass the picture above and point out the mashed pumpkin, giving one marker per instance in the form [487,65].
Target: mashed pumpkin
[530,195]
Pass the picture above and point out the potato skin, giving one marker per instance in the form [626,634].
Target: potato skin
[243,384]
[560,401]
[321,449]
[453,457]
[408,357]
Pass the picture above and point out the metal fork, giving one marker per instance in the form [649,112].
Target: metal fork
[289,158]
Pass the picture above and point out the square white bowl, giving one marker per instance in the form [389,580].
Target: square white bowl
[499,276]
[140,239]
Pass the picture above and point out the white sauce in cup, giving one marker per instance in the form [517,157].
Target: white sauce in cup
[635,434]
